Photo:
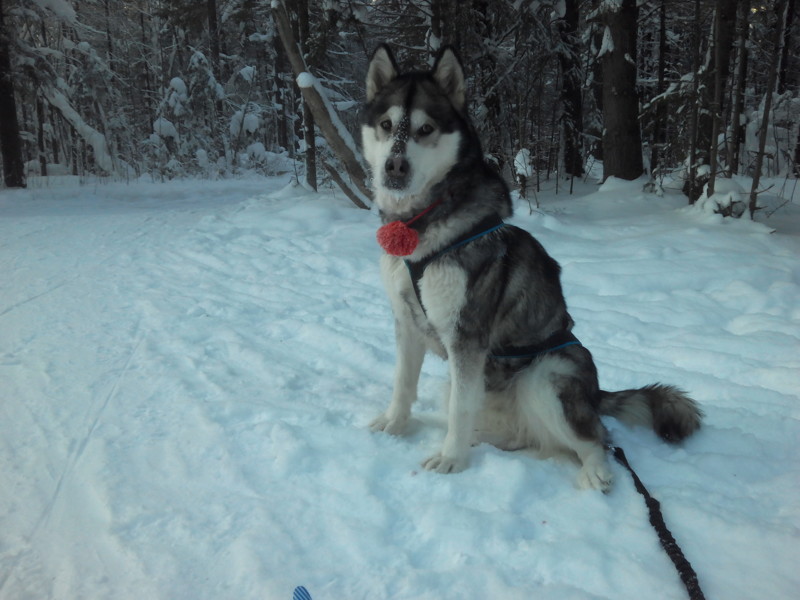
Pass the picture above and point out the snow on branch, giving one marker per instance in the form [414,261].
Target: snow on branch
[60,8]
[90,135]
[608,43]
[307,80]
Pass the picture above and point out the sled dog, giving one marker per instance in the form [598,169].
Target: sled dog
[483,294]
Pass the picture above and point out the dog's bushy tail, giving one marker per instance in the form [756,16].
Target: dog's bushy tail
[666,409]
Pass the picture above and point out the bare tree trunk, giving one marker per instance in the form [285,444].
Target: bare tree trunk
[344,149]
[593,72]
[724,24]
[659,127]
[40,137]
[308,117]
[797,155]
[571,99]
[148,91]
[690,185]
[311,146]
[737,127]
[213,38]
[443,17]
[109,45]
[787,32]
[10,140]
[55,139]
[622,141]
[281,97]
[780,13]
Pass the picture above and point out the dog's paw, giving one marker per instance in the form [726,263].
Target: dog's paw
[390,425]
[595,477]
[445,464]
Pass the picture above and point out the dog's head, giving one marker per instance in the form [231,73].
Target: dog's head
[413,127]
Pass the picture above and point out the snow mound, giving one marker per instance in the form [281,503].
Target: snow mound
[729,199]
[522,163]
[165,129]
[306,80]
[248,73]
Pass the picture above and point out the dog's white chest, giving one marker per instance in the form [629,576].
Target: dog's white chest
[443,291]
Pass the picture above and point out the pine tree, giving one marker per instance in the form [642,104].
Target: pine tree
[736,136]
[10,141]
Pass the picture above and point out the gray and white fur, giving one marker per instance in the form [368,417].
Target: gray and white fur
[501,290]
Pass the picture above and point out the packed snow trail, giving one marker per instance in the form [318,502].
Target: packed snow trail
[188,370]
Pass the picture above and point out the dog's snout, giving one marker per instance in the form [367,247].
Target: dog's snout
[396,166]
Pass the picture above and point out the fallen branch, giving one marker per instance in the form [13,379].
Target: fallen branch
[339,139]
[349,191]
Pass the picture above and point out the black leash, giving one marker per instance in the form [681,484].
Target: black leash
[684,567]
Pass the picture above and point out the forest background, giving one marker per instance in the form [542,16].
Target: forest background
[683,90]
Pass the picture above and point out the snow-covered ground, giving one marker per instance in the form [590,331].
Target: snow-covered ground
[187,371]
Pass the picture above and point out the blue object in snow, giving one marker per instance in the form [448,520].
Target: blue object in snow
[301,593]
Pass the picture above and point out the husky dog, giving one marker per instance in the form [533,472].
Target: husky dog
[482,294]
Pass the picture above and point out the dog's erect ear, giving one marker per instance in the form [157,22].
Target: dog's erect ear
[382,69]
[449,74]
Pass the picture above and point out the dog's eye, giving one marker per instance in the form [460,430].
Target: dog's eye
[386,125]
[426,129]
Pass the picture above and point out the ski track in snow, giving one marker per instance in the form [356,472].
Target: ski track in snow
[188,370]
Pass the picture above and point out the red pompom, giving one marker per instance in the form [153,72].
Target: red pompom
[398,239]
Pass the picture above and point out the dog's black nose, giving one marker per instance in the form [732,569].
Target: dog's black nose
[396,166]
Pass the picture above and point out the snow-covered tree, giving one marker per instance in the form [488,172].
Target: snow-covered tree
[176,88]
[10,140]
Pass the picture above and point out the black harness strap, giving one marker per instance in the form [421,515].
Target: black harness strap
[557,341]
[417,268]
[684,567]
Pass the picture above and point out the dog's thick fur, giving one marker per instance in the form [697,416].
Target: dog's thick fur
[501,290]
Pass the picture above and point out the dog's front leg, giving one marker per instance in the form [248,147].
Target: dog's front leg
[467,392]
[410,354]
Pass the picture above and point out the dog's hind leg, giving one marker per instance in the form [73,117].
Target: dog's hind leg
[556,410]
[595,472]
[410,354]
